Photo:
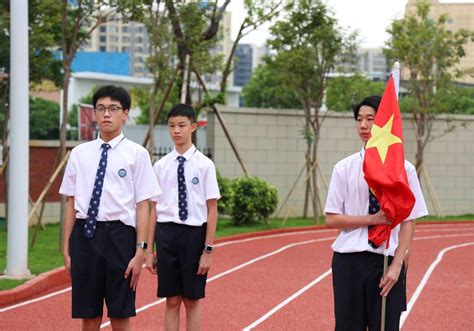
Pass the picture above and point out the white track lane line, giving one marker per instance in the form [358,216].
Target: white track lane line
[34,300]
[287,300]
[288,234]
[425,278]
[47,296]
[240,266]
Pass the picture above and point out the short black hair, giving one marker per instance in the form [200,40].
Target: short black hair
[115,93]
[181,109]
[373,101]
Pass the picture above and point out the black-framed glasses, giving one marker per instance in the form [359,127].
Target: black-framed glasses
[112,109]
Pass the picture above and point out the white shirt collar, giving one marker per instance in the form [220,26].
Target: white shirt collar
[113,143]
[187,155]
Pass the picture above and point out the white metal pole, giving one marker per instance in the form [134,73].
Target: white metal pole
[17,246]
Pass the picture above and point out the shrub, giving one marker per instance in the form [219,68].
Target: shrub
[224,204]
[253,200]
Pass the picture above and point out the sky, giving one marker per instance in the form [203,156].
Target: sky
[369,17]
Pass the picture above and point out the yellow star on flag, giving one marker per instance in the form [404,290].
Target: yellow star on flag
[382,138]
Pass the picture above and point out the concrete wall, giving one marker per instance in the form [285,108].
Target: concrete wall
[272,147]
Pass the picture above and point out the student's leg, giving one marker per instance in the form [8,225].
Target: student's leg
[193,314]
[87,274]
[173,305]
[120,249]
[395,302]
[91,324]
[120,324]
[349,298]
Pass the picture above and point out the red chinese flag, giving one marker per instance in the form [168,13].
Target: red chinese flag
[384,166]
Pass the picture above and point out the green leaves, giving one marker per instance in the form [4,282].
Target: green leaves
[253,200]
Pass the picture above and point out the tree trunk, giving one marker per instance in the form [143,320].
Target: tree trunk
[420,129]
[151,122]
[307,182]
[314,175]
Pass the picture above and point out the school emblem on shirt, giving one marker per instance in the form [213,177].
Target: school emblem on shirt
[195,180]
[122,173]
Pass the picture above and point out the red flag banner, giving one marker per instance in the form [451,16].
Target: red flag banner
[384,166]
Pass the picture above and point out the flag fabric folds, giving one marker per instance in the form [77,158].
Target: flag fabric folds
[384,166]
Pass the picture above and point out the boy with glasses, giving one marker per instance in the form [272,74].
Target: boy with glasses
[108,183]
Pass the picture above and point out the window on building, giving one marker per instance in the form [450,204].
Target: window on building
[125,39]
[102,49]
[103,39]
[125,49]
[103,28]
[125,29]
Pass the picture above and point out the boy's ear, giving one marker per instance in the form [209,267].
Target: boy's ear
[193,126]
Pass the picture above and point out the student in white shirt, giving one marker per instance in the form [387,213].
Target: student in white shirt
[108,183]
[186,219]
[357,266]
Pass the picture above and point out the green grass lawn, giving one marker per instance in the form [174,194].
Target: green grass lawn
[46,255]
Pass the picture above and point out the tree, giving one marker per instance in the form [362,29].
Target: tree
[264,91]
[258,12]
[159,63]
[195,27]
[344,92]
[430,53]
[308,45]
[44,119]
[44,36]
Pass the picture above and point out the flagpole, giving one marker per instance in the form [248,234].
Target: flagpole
[396,80]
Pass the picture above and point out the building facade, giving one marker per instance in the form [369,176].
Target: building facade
[460,16]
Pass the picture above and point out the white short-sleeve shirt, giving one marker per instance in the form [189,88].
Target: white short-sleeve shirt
[201,185]
[348,194]
[129,179]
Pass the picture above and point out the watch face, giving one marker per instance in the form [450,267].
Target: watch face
[209,248]
[142,245]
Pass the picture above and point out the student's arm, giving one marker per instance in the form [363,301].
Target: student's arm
[150,257]
[69,221]
[339,221]
[205,261]
[135,264]
[405,237]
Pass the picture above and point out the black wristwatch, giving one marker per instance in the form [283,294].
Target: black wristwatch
[208,249]
[142,244]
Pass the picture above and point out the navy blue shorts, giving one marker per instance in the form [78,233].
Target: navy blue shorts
[357,299]
[98,266]
[179,248]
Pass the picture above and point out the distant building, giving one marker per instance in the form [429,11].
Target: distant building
[104,62]
[122,37]
[247,58]
[243,64]
[373,63]
[132,38]
[460,16]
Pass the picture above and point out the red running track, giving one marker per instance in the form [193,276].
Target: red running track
[283,282]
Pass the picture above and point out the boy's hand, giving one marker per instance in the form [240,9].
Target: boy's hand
[379,219]
[390,278]
[67,263]
[204,263]
[135,267]
[150,262]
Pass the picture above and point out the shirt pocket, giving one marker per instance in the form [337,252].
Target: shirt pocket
[195,188]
